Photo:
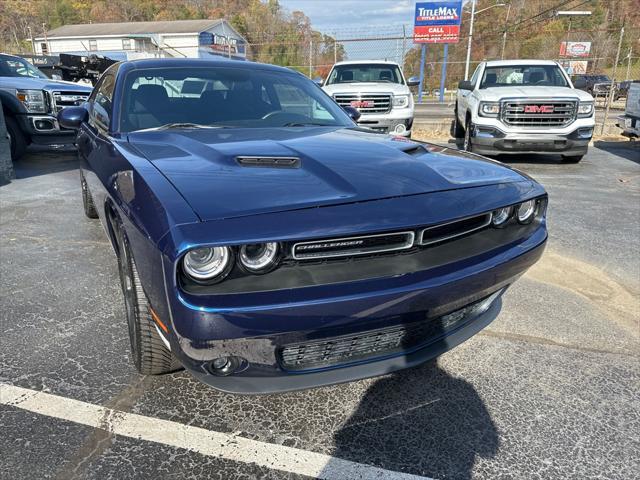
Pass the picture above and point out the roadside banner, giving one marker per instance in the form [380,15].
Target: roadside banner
[575,49]
[437,21]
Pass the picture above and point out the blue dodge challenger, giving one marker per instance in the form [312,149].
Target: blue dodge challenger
[267,243]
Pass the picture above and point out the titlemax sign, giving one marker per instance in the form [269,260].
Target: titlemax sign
[441,13]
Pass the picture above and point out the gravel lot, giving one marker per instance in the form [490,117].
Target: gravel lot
[549,390]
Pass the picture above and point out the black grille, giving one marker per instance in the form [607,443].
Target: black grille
[538,113]
[375,343]
[365,102]
[68,99]
[447,231]
[351,246]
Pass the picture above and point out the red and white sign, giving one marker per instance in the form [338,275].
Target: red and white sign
[436,34]
[362,103]
[575,49]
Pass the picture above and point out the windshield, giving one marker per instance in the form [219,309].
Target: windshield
[525,75]
[17,67]
[224,97]
[365,72]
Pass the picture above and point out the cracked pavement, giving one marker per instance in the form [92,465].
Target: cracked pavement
[549,390]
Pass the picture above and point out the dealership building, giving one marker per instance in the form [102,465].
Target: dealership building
[120,41]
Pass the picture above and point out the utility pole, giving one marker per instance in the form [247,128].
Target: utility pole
[310,57]
[504,34]
[466,65]
[612,89]
[626,77]
[33,42]
[404,45]
[335,48]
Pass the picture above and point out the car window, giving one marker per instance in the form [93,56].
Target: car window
[527,75]
[224,97]
[369,73]
[101,107]
[474,77]
[17,67]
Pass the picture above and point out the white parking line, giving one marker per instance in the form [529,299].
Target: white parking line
[200,440]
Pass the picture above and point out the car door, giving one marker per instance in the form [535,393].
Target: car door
[94,143]
[463,95]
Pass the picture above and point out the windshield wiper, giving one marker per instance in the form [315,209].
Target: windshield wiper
[168,126]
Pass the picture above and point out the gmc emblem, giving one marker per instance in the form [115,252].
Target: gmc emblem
[362,103]
[538,109]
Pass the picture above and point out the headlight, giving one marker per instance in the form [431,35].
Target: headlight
[259,257]
[489,109]
[208,264]
[526,211]
[585,109]
[33,100]
[499,217]
[401,101]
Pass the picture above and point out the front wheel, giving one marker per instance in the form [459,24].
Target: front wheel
[17,140]
[468,141]
[572,158]
[148,352]
[457,130]
[87,200]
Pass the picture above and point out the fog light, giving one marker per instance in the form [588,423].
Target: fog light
[223,366]
[400,128]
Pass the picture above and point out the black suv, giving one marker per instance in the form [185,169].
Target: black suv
[31,101]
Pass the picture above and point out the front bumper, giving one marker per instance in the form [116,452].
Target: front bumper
[491,140]
[389,122]
[44,129]
[423,297]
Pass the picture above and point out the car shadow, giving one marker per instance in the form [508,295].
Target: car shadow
[422,421]
[36,163]
[515,159]
[629,150]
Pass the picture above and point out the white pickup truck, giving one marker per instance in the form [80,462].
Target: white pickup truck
[378,90]
[630,121]
[523,106]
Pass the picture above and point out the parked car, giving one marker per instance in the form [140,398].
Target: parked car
[596,85]
[267,247]
[524,106]
[623,89]
[30,102]
[630,121]
[378,90]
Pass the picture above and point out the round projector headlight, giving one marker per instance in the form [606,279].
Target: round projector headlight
[500,216]
[259,257]
[526,211]
[208,263]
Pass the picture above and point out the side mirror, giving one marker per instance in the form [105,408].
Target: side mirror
[318,81]
[352,112]
[413,81]
[580,83]
[465,85]
[55,76]
[72,117]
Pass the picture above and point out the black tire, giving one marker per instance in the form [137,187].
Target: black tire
[87,200]
[572,158]
[148,352]
[17,140]
[457,130]
[467,146]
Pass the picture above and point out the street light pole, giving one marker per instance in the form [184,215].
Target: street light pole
[504,34]
[473,14]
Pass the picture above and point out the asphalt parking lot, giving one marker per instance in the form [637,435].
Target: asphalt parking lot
[551,389]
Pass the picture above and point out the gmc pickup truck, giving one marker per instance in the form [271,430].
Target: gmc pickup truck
[31,100]
[524,106]
[378,90]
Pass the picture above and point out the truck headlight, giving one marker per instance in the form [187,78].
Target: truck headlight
[489,109]
[33,100]
[585,109]
[401,101]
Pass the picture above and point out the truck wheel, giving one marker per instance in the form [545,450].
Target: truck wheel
[16,139]
[571,158]
[457,130]
[468,142]
[148,351]
[87,200]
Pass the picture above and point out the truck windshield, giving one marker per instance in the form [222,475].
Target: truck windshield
[525,75]
[224,97]
[365,72]
[17,67]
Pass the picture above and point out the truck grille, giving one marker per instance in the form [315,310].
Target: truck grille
[68,99]
[365,102]
[538,113]
[352,246]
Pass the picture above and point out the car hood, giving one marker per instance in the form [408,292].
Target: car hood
[499,93]
[336,166]
[43,84]
[366,87]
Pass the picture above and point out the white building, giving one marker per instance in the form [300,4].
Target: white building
[180,38]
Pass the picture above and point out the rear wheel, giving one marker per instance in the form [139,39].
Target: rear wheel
[17,140]
[572,158]
[87,201]
[468,141]
[148,352]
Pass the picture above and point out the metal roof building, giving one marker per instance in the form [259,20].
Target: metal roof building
[180,38]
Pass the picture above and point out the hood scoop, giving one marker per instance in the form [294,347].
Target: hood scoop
[414,150]
[269,162]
